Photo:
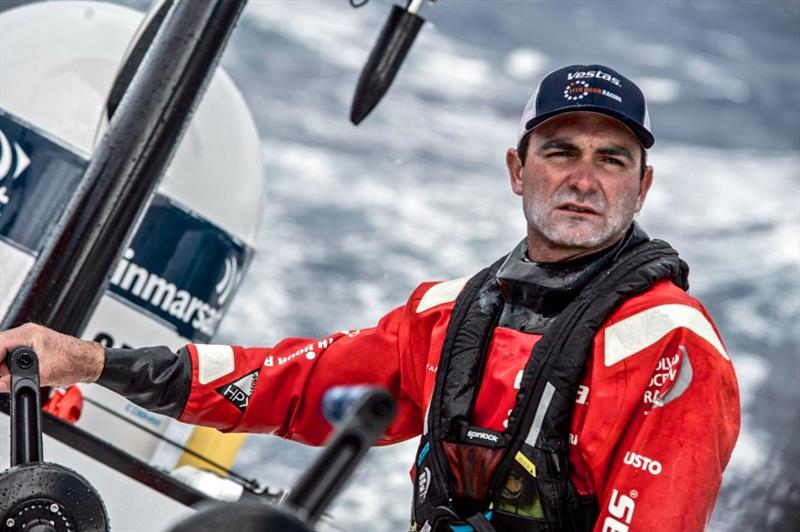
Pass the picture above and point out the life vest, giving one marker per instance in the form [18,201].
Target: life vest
[472,478]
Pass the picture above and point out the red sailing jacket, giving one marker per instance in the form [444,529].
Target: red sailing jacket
[654,424]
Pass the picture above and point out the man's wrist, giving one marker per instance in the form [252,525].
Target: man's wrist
[98,358]
[155,378]
[92,359]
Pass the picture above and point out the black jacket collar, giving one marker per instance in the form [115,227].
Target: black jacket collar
[536,292]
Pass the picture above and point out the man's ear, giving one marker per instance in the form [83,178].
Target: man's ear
[514,165]
[644,186]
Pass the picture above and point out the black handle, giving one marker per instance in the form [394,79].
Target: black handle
[324,479]
[26,414]
[372,411]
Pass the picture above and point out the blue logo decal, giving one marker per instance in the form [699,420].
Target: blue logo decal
[423,453]
[37,177]
[179,267]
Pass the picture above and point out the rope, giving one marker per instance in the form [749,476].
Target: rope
[247,483]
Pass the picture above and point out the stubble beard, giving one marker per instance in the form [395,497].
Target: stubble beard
[578,232]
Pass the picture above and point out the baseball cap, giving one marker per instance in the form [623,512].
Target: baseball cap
[595,88]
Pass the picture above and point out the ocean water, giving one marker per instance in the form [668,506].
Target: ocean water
[358,216]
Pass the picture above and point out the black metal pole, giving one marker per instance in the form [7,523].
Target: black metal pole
[71,273]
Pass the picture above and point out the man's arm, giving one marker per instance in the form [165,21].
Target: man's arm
[155,378]
[271,389]
[680,426]
[279,389]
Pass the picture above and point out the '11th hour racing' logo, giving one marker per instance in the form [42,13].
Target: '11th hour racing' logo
[578,90]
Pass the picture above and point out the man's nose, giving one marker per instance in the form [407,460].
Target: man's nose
[582,178]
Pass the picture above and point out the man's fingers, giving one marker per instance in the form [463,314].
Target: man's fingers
[21,336]
[63,360]
[5,378]
[16,337]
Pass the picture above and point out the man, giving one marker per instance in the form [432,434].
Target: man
[573,384]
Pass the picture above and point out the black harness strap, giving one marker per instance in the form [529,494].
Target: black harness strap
[557,365]
[540,422]
[480,524]
[464,341]
[433,482]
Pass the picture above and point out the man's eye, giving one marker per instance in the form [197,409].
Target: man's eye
[558,154]
[613,161]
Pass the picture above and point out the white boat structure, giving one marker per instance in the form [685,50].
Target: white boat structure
[131,187]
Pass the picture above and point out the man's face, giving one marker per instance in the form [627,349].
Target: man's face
[580,185]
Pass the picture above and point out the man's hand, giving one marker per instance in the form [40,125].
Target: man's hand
[63,360]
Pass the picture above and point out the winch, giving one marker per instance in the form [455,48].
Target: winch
[38,496]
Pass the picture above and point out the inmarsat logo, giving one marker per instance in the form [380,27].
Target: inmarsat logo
[230,278]
[12,163]
[180,305]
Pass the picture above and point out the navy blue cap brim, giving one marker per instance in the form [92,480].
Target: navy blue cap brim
[645,137]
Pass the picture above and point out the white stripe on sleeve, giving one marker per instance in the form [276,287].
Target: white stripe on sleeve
[213,362]
[641,330]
